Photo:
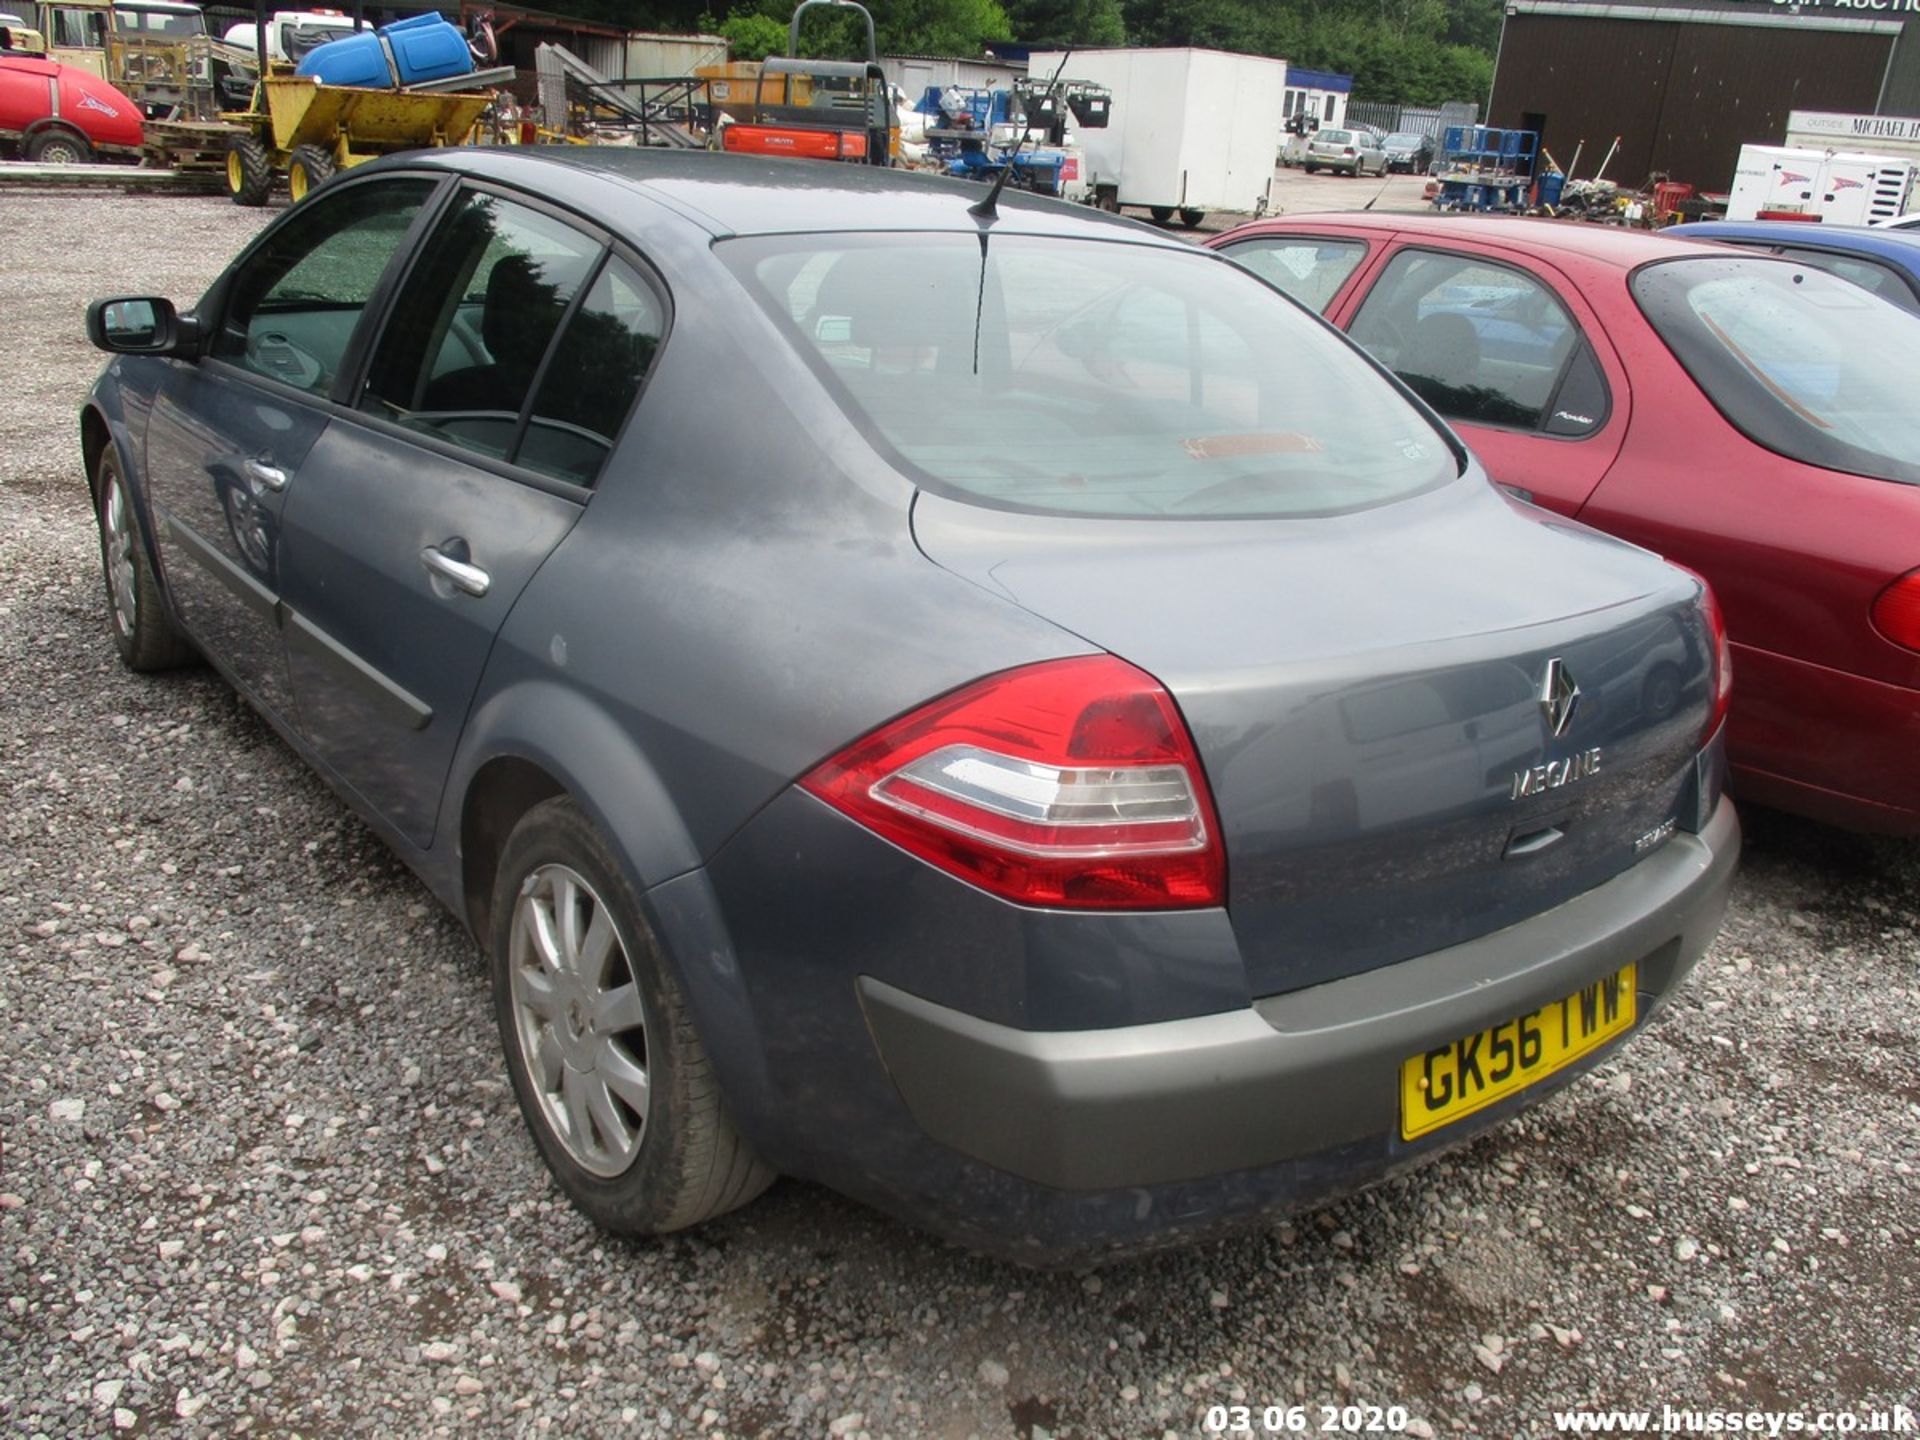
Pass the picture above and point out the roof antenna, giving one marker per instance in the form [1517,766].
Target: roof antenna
[984,207]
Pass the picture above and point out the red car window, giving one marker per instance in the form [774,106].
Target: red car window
[1308,268]
[1482,342]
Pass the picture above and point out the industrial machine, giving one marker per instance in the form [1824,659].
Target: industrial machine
[1483,168]
[157,52]
[819,109]
[974,134]
[405,86]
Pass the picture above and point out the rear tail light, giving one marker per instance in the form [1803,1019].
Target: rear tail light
[1722,678]
[1347,151]
[1072,783]
[1896,613]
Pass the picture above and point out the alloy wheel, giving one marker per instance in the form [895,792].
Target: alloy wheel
[580,1020]
[117,542]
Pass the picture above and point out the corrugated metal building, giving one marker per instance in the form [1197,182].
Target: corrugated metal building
[1685,83]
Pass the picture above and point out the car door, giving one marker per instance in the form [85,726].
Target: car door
[1507,350]
[513,351]
[231,433]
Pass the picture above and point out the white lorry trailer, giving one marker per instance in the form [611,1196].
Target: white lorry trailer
[1192,130]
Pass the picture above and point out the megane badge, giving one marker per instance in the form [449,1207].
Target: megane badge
[1559,696]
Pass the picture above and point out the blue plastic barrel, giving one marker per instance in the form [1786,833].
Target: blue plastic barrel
[1550,184]
[423,47]
[358,59]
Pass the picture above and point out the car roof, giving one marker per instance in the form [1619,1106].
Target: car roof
[1603,244]
[728,194]
[1900,246]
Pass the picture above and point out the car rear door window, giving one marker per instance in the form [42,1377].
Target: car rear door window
[473,322]
[293,306]
[594,376]
[1483,343]
[1311,271]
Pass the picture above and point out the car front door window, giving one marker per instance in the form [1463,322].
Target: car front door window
[292,308]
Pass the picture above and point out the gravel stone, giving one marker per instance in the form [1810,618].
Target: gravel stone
[314,976]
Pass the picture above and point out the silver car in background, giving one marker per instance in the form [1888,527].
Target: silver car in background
[1356,152]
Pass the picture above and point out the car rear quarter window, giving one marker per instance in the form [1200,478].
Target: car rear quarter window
[1801,362]
[1482,342]
[1081,377]
[1311,271]
[292,306]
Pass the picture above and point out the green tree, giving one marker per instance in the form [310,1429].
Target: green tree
[1060,23]
[750,36]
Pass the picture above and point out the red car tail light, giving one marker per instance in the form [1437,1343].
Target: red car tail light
[1896,612]
[1722,654]
[1071,783]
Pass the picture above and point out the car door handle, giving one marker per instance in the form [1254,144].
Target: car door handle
[469,579]
[271,476]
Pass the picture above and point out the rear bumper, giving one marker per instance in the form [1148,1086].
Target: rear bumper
[1296,1076]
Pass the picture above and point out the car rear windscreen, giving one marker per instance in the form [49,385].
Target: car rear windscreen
[1095,378]
[1809,365]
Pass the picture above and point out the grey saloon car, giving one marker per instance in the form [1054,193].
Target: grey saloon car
[981,706]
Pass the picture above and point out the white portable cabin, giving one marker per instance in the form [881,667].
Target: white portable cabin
[1838,187]
[1191,130]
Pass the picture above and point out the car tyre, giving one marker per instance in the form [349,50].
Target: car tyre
[59,146]
[1191,218]
[1161,213]
[249,171]
[1310,168]
[143,632]
[308,169]
[611,1075]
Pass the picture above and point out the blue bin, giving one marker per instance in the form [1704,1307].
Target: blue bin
[1550,184]
[358,59]
[424,47]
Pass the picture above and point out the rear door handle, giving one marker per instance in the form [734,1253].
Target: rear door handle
[466,578]
[271,476]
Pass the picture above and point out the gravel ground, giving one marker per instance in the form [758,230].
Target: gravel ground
[262,1171]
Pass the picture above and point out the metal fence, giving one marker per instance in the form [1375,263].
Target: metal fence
[1429,120]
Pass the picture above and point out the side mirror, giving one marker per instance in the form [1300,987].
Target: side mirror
[141,325]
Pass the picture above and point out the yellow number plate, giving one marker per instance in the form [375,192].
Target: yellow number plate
[1455,1080]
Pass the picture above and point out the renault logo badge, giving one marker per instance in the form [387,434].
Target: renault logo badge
[1559,696]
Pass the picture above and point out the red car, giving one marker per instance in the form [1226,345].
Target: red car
[1747,415]
[58,115]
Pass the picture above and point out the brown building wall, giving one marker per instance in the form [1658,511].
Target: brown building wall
[1683,98]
